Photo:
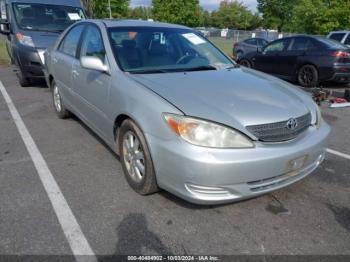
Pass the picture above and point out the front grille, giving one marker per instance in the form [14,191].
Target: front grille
[279,132]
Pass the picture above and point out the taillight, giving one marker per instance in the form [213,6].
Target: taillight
[341,54]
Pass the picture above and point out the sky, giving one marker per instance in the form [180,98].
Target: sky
[207,4]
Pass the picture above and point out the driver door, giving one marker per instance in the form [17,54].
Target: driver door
[91,86]
[269,59]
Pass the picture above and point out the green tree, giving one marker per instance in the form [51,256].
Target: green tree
[140,12]
[276,13]
[320,17]
[205,18]
[234,14]
[119,8]
[185,12]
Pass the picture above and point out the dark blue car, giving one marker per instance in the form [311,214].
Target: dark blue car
[307,60]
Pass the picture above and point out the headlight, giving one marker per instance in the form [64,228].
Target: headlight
[319,118]
[25,40]
[206,134]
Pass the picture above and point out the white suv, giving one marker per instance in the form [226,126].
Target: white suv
[341,36]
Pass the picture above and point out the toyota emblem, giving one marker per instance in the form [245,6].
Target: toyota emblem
[292,124]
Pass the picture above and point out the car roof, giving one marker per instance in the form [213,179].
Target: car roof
[134,23]
[75,3]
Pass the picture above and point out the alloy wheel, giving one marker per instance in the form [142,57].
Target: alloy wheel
[57,99]
[133,156]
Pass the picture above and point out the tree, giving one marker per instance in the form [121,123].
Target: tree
[140,12]
[205,18]
[99,8]
[185,12]
[234,14]
[276,13]
[320,17]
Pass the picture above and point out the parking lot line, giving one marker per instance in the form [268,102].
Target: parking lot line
[76,239]
[331,151]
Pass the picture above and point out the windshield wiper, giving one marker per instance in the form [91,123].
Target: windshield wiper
[198,68]
[150,71]
[173,70]
[233,66]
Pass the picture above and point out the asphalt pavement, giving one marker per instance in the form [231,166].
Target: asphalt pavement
[311,217]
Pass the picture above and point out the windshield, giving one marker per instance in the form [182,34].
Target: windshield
[42,17]
[159,50]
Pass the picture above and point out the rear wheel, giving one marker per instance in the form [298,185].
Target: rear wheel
[308,76]
[60,109]
[245,63]
[136,159]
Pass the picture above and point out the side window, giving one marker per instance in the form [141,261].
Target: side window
[300,44]
[347,40]
[92,44]
[337,36]
[251,41]
[262,42]
[70,42]
[277,46]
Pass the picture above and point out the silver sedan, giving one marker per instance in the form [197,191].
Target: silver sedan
[182,116]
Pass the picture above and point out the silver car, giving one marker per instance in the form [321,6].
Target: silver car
[182,116]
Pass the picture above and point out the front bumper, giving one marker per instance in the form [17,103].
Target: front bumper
[217,176]
[30,62]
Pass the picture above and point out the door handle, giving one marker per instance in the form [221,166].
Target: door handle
[75,73]
[55,60]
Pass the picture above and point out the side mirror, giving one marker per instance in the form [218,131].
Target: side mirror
[4,27]
[93,63]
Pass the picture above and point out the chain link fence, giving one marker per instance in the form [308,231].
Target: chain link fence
[226,38]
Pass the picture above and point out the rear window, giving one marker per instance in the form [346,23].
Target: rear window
[337,36]
[347,41]
[251,41]
[331,44]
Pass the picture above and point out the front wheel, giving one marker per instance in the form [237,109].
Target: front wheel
[60,109]
[245,63]
[136,159]
[308,76]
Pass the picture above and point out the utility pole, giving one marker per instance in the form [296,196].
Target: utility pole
[110,9]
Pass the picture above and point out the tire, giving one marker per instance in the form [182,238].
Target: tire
[308,76]
[58,104]
[245,63]
[136,159]
[23,81]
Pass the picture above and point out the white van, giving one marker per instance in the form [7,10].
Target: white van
[340,36]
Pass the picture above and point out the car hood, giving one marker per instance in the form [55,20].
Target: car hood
[42,40]
[237,98]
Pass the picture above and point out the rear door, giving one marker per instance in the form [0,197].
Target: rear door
[62,61]
[91,86]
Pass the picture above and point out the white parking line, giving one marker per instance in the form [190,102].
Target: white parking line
[331,151]
[76,239]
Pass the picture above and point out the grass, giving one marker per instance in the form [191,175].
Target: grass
[4,58]
[226,45]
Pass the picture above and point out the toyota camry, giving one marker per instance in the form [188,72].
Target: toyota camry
[183,116]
